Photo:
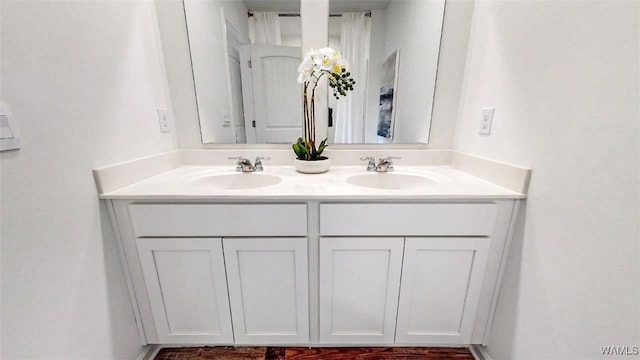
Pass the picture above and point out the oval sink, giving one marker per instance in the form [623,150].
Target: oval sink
[390,181]
[237,181]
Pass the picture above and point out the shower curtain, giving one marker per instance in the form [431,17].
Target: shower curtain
[350,111]
[266,28]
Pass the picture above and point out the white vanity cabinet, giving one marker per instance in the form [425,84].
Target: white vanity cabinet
[345,258]
[268,290]
[422,286]
[187,288]
[211,273]
[314,272]
[359,283]
[266,280]
[441,282]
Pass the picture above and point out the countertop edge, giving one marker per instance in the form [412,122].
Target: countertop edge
[511,177]
[290,198]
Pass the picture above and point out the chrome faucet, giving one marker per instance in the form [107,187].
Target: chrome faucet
[258,165]
[371,166]
[244,165]
[386,164]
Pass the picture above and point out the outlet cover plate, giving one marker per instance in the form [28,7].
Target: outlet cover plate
[486,120]
[164,121]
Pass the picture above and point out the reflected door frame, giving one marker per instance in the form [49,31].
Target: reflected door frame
[235,44]
[247,94]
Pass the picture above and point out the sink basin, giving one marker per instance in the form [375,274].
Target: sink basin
[390,181]
[239,181]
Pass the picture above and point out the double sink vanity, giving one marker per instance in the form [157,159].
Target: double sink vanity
[349,257]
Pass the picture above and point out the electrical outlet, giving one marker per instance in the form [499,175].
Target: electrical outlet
[164,121]
[486,120]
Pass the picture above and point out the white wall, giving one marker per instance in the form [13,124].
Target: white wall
[83,81]
[563,76]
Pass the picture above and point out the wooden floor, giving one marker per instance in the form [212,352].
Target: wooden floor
[291,353]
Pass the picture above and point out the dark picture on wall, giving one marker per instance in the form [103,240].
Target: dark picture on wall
[386,106]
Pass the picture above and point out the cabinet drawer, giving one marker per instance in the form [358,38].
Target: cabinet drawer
[408,219]
[219,219]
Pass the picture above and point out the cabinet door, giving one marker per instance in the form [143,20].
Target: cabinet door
[268,288]
[359,284]
[441,281]
[187,288]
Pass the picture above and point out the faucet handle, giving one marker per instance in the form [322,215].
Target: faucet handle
[258,164]
[239,163]
[371,166]
[389,161]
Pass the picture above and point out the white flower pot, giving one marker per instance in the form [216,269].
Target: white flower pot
[312,166]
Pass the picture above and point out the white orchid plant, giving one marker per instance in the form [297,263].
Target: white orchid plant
[315,65]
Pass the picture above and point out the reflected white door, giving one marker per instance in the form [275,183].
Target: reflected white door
[277,95]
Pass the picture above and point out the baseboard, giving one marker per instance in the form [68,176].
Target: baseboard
[479,352]
[149,352]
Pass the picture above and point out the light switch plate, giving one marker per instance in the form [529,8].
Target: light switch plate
[6,132]
[8,138]
[226,119]
[486,120]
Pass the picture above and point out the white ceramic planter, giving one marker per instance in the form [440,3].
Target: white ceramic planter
[312,167]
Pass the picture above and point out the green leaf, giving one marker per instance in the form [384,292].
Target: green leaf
[300,149]
[322,146]
[297,150]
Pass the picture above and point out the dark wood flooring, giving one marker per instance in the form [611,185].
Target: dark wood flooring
[303,353]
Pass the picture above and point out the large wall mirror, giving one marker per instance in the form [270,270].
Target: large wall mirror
[243,56]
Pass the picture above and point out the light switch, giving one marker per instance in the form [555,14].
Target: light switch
[8,138]
[226,119]
[5,129]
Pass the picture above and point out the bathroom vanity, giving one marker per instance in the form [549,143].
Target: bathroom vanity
[413,257]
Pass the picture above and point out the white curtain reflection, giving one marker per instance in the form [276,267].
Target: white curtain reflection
[350,110]
[266,28]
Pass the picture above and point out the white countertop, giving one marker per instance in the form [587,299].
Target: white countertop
[183,182]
